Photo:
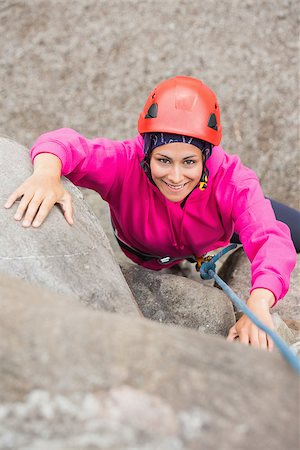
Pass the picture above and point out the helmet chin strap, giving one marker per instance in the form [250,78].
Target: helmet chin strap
[204,179]
[145,165]
[207,151]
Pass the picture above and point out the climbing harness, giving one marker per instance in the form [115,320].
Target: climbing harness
[163,260]
[207,268]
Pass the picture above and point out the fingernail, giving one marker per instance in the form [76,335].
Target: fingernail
[17,217]
[26,223]
[36,223]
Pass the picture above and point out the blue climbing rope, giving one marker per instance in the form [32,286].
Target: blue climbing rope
[208,272]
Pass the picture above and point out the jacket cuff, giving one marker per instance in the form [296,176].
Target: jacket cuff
[53,148]
[270,282]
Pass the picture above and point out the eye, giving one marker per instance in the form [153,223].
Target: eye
[189,162]
[164,160]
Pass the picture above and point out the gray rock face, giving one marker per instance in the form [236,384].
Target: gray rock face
[287,334]
[74,259]
[101,210]
[72,378]
[289,306]
[174,299]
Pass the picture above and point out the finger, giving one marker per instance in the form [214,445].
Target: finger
[262,340]
[68,210]
[12,198]
[32,210]
[232,334]
[244,338]
[270,344]
[26,199]
[254,338]
[44,209]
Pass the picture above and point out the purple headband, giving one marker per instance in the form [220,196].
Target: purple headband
[153,140]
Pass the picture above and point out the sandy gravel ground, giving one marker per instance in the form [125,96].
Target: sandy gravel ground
[90,65]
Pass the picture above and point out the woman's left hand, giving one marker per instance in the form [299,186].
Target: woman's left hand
[259,302]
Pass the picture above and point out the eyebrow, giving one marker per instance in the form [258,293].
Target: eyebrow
[168,157]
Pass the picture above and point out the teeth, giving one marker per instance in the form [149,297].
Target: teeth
[177,187]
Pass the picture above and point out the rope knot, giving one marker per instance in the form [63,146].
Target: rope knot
[203,265]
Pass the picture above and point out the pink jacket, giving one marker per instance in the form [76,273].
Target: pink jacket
[147,221]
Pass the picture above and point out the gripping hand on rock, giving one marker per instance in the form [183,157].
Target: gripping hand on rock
[40,192]
[259,302]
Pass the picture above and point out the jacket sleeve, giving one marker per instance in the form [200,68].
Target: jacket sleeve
[97,164]
[267,241]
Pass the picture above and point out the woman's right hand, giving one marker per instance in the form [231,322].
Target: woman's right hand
[39,193]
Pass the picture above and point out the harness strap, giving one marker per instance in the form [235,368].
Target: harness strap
[146,256]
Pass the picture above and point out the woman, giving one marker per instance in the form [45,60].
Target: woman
[173,193]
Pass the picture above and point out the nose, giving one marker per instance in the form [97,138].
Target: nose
[175,175]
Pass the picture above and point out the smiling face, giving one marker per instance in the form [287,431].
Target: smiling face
[176,169]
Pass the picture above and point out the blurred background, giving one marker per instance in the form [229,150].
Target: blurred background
[90,65]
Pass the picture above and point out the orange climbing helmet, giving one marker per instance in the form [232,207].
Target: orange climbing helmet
[182,105]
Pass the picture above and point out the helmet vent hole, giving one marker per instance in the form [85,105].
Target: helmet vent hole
[152,111]
[212,122]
